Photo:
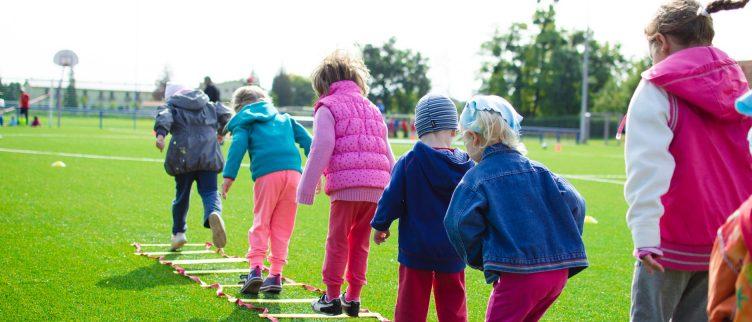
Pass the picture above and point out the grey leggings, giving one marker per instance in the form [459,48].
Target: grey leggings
[676,296]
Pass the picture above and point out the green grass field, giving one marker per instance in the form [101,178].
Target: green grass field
[67,233]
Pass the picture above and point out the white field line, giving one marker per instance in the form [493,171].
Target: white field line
[612,179]
[76,136]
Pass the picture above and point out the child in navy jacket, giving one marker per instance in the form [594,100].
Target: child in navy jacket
[418,195]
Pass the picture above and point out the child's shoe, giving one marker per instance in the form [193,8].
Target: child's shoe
[333,307]
[351,308]
[217,225]
[253,282]
[178,240]
[272,284]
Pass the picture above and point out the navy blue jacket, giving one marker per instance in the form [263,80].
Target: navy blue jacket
[510,214]
[418,195]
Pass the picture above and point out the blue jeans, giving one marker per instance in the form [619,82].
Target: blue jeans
[207,188]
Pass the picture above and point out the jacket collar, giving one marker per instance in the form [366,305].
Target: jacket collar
[344,87]
[498,148]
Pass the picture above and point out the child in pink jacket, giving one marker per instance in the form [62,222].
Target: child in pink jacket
[686,161]
[350,148]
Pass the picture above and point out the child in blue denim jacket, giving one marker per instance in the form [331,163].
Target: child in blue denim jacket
[512,218]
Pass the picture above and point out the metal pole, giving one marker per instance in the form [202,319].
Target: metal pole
[134,119]
[585,79]
[101,115]
[50,102]
[60,96]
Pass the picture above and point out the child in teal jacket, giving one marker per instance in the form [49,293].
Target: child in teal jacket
[270,138]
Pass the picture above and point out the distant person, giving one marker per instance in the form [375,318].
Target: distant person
[23,105]
[380,105]
[13,121]
[405,129]
[211,90]
[2,111]
[512,218]
[275,171]
[418,196]
[36,122]
[193,155]
[356,175]
[686,167]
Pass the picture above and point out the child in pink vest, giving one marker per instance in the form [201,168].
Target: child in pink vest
[686,162]
[350,148]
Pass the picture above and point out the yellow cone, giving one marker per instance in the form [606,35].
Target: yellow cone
[591,220]
[58,164]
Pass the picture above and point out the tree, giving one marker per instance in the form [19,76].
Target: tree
[70,97]
[10,92]
[617,92]
[303,94]
[539,67]
[399,76]
[282,89]
[161,84]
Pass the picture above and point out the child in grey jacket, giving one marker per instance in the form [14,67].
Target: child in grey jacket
[193,155]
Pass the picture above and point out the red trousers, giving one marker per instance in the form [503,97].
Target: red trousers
[414,294]
[525,297]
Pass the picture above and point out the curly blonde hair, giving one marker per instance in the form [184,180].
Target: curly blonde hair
[339,66]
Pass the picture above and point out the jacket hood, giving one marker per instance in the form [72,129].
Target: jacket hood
[261,111]
[705,77]
[193,100]
[442,170]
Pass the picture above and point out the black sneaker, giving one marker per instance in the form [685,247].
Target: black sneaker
[272,284]
[252,282]
[351,308]
[329,308]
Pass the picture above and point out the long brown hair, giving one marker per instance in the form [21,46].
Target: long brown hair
[688,22]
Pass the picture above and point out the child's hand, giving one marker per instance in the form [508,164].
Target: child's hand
[651,264]
[226,187]
[160,143]
[220,139]
[318,187]
[380,236]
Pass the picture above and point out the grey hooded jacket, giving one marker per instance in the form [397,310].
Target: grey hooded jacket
[194,123]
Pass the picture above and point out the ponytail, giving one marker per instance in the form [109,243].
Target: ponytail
[720,5]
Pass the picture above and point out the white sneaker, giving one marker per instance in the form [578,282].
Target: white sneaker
[178,240]
[217,225]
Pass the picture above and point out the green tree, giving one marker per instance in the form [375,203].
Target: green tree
[538,67]
[70,97]
[302,91]
[399,76]
[282,89]
[617,92]
[10,92]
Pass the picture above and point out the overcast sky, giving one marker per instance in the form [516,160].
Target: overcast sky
[131,41]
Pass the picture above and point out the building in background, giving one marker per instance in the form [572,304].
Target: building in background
[97,97]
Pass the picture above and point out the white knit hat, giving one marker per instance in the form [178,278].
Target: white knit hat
[174,88]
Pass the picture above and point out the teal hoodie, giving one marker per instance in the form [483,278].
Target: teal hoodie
[269,137]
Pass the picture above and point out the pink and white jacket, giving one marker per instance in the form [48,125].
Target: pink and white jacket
[687,159]
[349,146]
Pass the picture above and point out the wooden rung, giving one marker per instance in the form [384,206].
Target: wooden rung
[216,271]
[241,285]
[278,300]
[205,261]
[185,252]
[316,316]
[169,245]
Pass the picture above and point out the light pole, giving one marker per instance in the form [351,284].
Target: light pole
[585,80]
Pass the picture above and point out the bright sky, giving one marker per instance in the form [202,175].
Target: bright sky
[131,41]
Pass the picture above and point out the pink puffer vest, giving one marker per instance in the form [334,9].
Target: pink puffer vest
[360,158]
[713,166]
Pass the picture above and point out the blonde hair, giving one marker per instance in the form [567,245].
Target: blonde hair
[687,22]
[339,66]
[247,95]
[494,130]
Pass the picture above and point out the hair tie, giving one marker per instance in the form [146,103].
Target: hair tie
[703,11]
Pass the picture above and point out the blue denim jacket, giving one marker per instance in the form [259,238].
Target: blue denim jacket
[512,215]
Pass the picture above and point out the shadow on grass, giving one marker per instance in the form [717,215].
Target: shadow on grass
[144,278]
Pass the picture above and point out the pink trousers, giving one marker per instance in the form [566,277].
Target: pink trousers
[525,297]
[347,246]
[274,209]
[414,294]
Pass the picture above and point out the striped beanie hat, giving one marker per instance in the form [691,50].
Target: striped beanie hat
[435,112]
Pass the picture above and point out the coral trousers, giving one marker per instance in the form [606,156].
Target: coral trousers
[274,210]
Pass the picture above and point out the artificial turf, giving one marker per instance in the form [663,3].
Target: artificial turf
[67,232]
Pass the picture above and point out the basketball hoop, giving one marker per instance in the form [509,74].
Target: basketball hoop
[65,58]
